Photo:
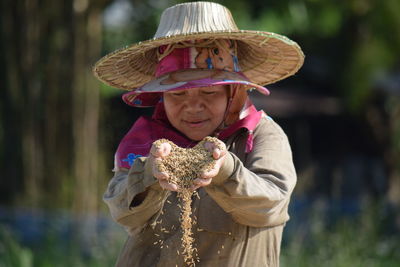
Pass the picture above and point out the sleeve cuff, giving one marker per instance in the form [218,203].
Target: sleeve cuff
[140,177]
[225,171]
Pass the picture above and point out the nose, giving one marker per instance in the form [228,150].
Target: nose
[194,104]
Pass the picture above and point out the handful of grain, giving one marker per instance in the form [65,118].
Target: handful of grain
[183,166]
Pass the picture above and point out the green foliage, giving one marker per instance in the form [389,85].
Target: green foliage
[371,59]
[361,241]
[12,254]
[358,39]
[107,91]
[57,251]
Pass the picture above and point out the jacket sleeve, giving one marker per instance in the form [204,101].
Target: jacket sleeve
[256,192]
[125,186]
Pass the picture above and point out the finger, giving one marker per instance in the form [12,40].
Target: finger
[168,186]
[202,181]
[165,149]
[218,149]
[162,150]
[218,153]
[160,175]
[210,173]
[210,146]
[213,148]
[157,173]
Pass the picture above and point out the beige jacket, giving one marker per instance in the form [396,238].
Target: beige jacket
[240,216]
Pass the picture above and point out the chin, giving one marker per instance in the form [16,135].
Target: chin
[196,134]
[196,137]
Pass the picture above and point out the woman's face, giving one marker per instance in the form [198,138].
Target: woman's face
[196,112]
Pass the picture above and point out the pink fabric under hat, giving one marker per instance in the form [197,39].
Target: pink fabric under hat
[191,67]
[138,141]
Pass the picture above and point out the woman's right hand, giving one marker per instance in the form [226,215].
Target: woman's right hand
[157,153]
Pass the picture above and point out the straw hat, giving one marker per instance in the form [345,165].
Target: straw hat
[264,57]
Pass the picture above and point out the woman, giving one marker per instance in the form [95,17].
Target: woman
[197,78]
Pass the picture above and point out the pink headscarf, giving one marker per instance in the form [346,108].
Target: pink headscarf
[192,67]
[138,141]
[184,66]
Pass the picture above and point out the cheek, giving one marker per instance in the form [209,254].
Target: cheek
[171,109]
[168,107]
[219,114]
[218,108]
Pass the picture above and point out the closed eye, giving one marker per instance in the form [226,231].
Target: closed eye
[177,93]
[209,92]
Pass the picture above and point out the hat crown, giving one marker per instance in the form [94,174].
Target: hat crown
[195,17]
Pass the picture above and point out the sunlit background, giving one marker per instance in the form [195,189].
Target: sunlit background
[59,127]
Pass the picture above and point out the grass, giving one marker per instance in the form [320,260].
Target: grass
[58,251]
[369,239]
[11,252]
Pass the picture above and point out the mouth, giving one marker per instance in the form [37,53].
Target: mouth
[195,123]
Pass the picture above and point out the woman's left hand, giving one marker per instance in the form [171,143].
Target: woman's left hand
[219,151]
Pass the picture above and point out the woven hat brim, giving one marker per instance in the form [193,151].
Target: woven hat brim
[149,94]
[264,58]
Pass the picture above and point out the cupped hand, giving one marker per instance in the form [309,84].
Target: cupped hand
[219,151]
[157,153]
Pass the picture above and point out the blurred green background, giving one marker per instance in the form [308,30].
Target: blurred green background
[59,127]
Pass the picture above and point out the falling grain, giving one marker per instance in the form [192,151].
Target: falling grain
[183,166]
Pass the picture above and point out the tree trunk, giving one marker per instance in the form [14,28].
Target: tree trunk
[49,103]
